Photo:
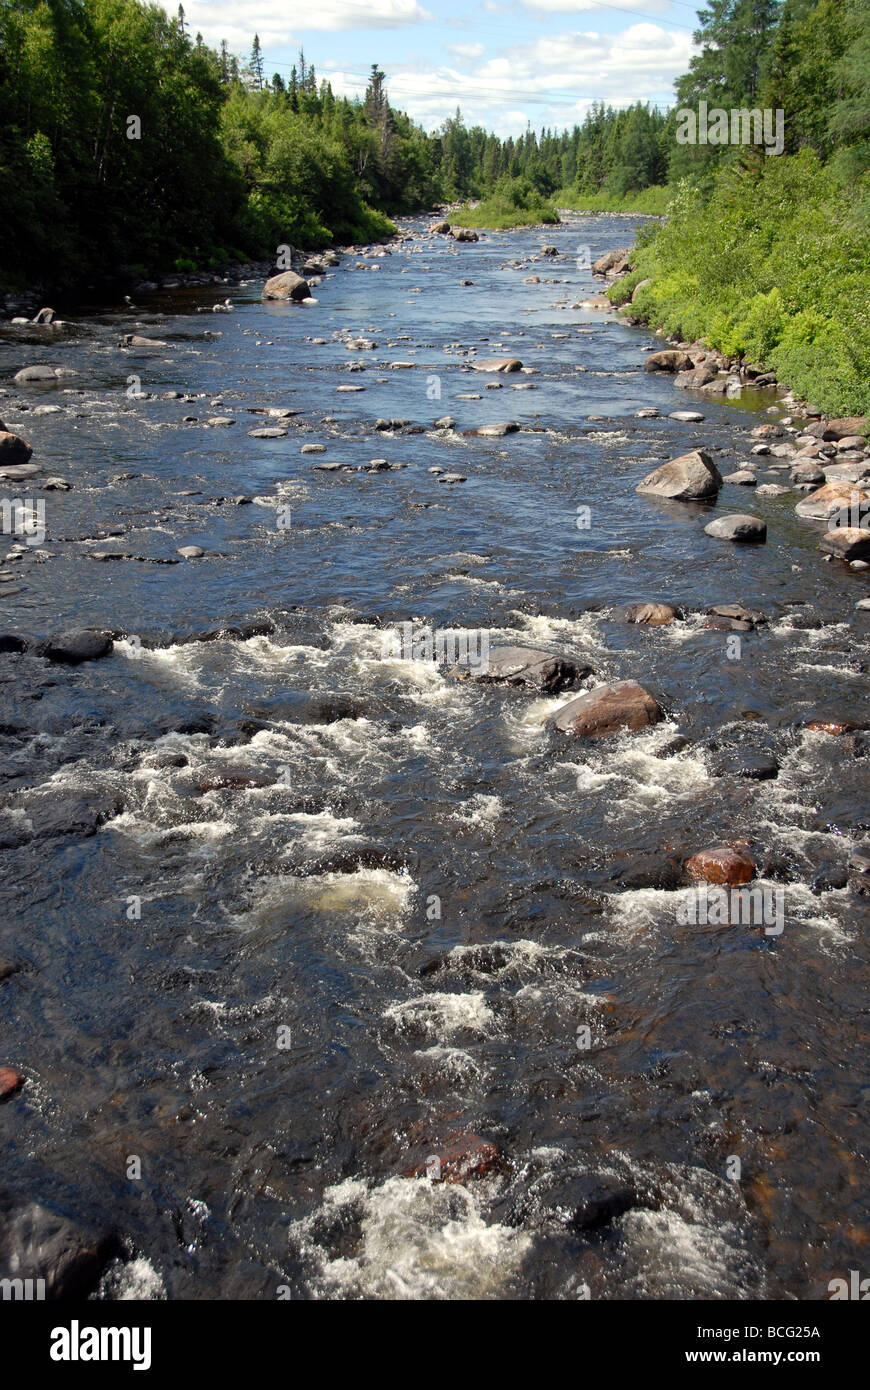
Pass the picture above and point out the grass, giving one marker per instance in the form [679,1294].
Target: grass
[653,201]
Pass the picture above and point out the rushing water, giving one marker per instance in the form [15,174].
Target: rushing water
[379,905]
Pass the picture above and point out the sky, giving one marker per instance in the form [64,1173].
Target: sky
[503,64]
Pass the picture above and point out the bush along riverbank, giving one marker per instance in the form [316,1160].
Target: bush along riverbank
[769,273]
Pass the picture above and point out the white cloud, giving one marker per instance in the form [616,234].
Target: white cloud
[467,50]
[279,24]
[585,6]
[550,81]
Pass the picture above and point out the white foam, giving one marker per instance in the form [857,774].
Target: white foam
[419,1240]
[441,1015]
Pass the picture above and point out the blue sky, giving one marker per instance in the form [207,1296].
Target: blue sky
[504,64]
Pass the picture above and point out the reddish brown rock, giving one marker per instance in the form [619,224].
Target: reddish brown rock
[651,614]
[844,427]
[598,713]
[721,864]
[11,1082]
[461,1157]
[829,726]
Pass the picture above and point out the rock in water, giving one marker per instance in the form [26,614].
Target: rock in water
[691,477]
[839,496]
[37,1242]
[548,672]
[721,864]
[609,260]
[847,543]
[609,708]
[668,361]
[738,527]
[650,614]
[287,285]
[86,644]
[499,364]
[11,1081]
[13,450]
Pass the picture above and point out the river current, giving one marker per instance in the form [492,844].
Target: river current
[338,912]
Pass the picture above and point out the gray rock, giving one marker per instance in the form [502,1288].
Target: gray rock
[287,285]
[737,527]
[691,477]
[549,672]
[84,644]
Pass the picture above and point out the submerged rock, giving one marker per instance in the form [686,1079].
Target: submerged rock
[606,710]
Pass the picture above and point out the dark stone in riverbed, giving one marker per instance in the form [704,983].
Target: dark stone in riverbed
[38,1241]
[85,644]
[830,879]
[11,642]
[548,672]
[648,871]
[758,767]
[50,811]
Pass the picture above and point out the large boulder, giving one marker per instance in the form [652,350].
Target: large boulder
[287,285]
[838,496]
[689,478]
[738,527]
[610,260]
[606,710]
[526,666]
[721,864]
[84,644]
[442,228]
[463,234]
[40,1243]
[13,450]
[670,360]
[847,543]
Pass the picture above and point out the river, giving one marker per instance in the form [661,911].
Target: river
[337,912]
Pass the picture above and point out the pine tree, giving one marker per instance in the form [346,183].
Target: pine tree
[257,63]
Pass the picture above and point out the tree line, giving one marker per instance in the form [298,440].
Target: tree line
[223,162]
